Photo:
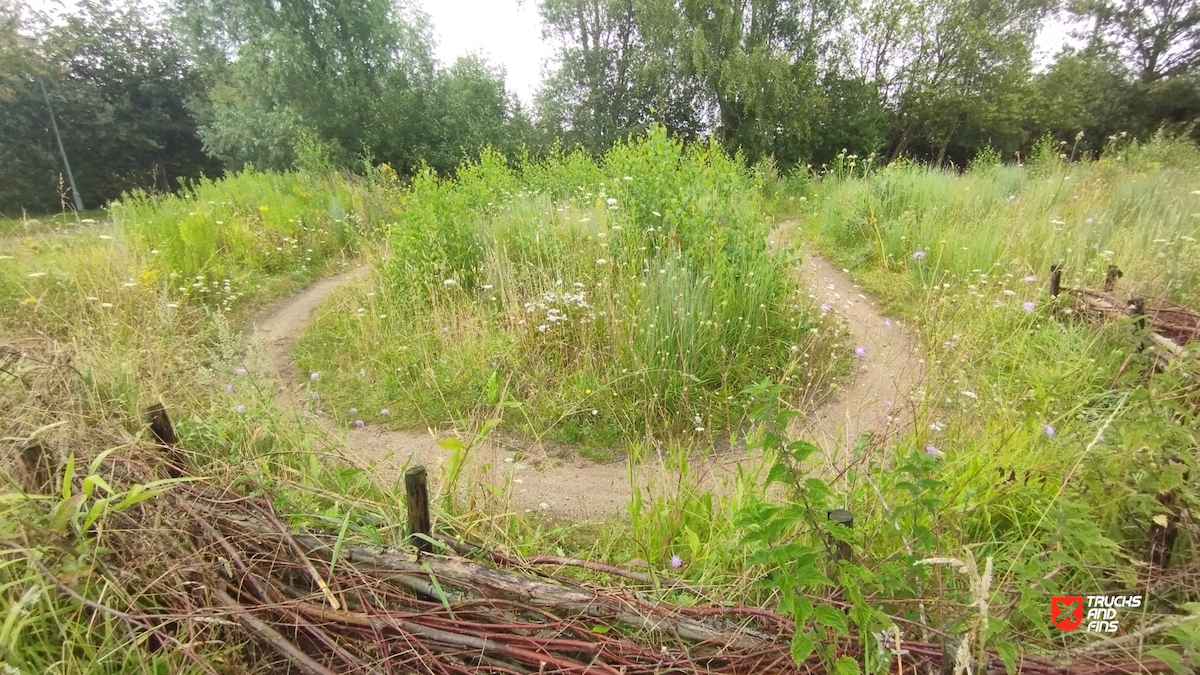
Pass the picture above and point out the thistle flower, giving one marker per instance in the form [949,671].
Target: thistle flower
[229,388]
[313,376]
[825,308]
[1050,430]
[1027,305]
[240,409]
[860,352]
[919,255]
[354,411]
[676,562]
[385,411]
[358,423]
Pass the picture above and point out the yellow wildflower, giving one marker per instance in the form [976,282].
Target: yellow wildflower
[263,208]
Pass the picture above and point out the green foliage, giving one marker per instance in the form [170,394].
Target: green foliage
[640,303]
[248,223]
[117,81]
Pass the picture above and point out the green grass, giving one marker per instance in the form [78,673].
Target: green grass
[634,307]
[51,223]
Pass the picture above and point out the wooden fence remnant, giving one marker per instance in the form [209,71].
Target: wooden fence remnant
[36,458]
[841,549]
[164,432]
[1055,279]
[1110,278]
[417,489]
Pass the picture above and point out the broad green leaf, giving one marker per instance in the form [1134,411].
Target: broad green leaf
[846,666]
[831,617]
[802,647]
[452,444]
[1172,658]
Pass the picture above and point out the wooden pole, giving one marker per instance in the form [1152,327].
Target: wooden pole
[164,433]
[841,549]
[1055,279]
[417,490]
[37,467]
[1110,278]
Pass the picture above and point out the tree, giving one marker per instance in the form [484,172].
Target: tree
[117,81]
[1161,38]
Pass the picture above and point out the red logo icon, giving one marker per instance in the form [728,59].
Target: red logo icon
[1066,611]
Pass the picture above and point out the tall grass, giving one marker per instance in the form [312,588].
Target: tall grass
[641,304]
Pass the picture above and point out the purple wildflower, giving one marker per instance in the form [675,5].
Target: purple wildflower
[229,388]
[825,308]
[676,562]
[1030,279]
[385,411]
[362,372]
[860,351]
[919,255]
[1050,430]
[1028,306]
[240,371]
[240,409]
[887,323]
[358,423]
[354,411]
[932,451]
[313,376]
[999,302]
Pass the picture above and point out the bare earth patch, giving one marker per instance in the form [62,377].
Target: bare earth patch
[872,400]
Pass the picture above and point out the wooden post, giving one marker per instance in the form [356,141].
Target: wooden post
[1055,279]
[841,549]
[418,508]
[1110,278]
[37,467]
[1160,539]
[164,433]
[1137,307]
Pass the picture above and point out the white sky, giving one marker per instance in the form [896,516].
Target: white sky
[508,33]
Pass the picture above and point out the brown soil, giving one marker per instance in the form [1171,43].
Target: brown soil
[578,489]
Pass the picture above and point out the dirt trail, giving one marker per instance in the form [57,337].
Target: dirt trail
[583,490]
[876,398]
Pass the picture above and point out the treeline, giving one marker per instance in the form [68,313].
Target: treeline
[149,95]
[936,80]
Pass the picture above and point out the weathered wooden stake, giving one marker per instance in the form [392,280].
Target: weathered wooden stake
[1110,278]
[1055,279]
[418,508]
[164,432]
[37,467]
[1137,307]
[841,549]
[1160,539]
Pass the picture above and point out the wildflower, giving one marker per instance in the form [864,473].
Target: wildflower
[888,403]
[824,308]
[998,303]
[936,426]
[106,305]
[860,351]
[385,412]
[612,201]
[1027,305]
[313,376]
[1050,430]
[628,177]
[1030,279]
[263,209]
[919,255]
[448,282]
[229,388]
[887,323]
[657,213]
[601,261]
[676,562]
[969,394]
[932,451]
[30,301]
[362,372]
[240,371]
[487,287]
[240,409]
[543,506]
[354,411]
[358,423]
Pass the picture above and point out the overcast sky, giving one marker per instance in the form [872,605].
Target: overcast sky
[508,33]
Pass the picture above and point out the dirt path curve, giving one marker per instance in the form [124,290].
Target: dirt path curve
[583,490]
[876,398]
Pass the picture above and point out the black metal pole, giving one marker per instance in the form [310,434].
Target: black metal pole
[54,125]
